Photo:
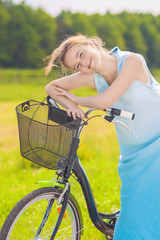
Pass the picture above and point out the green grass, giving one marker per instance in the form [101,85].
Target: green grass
[20,76]
[98,152]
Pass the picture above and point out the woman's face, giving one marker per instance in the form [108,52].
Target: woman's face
[83,58]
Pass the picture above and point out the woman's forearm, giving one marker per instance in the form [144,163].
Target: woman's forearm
[95,101]
[62,100]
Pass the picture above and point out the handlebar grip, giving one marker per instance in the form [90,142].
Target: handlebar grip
[121,113]
[128,115]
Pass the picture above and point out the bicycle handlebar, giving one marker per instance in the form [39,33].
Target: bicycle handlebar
[114,112]
[120,113]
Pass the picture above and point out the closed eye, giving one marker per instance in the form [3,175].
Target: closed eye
[81,54]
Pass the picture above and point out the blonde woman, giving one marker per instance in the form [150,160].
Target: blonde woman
[124,81]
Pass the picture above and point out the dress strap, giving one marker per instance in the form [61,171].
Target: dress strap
[113,51]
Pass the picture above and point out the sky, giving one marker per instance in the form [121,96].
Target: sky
[54,7]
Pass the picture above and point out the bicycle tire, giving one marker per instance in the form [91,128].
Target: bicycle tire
[26,217]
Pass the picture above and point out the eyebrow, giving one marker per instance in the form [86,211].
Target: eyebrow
[76,57]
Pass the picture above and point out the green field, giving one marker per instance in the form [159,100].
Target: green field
[98,151]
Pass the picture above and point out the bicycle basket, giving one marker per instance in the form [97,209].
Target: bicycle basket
[45,133]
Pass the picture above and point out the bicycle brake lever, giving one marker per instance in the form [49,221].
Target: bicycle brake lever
[111,119]
[124,125]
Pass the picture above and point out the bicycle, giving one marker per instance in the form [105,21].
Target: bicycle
[52,212]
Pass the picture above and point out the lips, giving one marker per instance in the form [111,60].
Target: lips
[90,62]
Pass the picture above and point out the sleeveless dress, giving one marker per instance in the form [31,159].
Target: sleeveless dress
[139,162]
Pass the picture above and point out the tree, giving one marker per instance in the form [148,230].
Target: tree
[82,24]
[46,28]
[27,35]
[110,29]
[64,25]
[24,41]
[152,39]
[31,35]
[5,57]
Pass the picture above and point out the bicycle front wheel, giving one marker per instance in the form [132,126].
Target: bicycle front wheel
[35,216]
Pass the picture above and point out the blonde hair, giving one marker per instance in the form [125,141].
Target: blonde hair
[58,55]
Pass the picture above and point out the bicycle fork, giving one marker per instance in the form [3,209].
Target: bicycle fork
[63,199]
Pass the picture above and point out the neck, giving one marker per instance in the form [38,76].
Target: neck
[108,68]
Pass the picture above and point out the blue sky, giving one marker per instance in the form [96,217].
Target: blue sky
[54,7]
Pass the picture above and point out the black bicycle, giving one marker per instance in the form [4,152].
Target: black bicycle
[50,138]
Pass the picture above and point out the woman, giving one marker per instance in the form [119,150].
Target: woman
[122,80]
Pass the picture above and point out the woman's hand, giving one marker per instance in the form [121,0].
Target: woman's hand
[62,92]
[75,112]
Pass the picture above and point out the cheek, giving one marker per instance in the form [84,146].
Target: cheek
[67,64]
[85,70]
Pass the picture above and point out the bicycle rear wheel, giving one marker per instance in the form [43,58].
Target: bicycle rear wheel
[27,217]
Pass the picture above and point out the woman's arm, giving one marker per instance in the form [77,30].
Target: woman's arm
[132,70]
[72,81]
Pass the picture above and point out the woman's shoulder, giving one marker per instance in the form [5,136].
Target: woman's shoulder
[122,54]
[137,63]
[129,57]
[135,58]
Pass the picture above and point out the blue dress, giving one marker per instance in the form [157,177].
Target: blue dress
[139,162]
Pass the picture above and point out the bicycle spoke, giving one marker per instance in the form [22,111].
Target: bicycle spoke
[69,235]
[19,236]
[35,215]
[13,238]
[32,221]
[52,228]
[25,227]
[63,234]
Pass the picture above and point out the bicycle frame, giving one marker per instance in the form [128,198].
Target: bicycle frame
[96,217]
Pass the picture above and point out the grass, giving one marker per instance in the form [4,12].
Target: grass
[98,152]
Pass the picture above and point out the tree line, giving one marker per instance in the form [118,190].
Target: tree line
[27,35]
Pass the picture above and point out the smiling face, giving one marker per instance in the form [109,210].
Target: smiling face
[83,58]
